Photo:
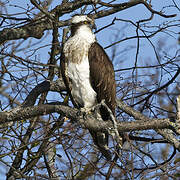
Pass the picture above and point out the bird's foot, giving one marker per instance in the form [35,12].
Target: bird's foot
[83,112]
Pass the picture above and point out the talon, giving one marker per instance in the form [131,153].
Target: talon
[86,110]
[66,100]
[65,119]
[79,113]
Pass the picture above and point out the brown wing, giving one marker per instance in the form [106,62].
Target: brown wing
[102,76]
[103,82]
[66,79]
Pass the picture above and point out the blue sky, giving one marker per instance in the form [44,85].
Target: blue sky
[105,37]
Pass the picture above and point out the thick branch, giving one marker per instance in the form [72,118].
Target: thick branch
[90,121]
[37,27]
[45,86]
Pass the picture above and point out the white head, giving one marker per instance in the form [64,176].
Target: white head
[80,20]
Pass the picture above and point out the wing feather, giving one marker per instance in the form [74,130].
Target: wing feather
[102,76]
[67,82]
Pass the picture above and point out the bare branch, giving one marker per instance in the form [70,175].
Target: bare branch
[45,86]
[143,123]
[34,2]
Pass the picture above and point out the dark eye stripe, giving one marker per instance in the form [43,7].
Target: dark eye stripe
[86,22]
[80,23]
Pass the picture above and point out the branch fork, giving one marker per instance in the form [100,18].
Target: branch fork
[94,111]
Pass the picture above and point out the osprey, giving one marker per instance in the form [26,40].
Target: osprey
[88,74]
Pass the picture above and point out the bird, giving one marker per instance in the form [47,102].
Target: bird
[88,74]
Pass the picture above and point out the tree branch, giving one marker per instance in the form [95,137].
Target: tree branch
[22,113]
[37,27]
[34,2]
[45,86]
[122,6]
[166,133]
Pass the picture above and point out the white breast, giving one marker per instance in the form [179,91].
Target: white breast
[76,51]
[82,91]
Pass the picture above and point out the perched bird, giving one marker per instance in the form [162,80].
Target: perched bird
[88,74]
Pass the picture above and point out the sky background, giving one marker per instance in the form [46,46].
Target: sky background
[119,30]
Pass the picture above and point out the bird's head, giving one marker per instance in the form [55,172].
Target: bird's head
[80,20]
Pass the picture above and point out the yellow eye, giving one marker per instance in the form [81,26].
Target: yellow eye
[86,22]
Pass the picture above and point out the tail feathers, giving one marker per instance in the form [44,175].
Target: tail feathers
[101,141]
[105,152]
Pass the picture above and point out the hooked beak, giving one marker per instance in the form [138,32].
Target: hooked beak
[93,25]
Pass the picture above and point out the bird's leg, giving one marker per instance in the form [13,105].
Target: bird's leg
[97,106]
[113,131]
[83,112]
[66,100]
[86,111]
[102,141]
